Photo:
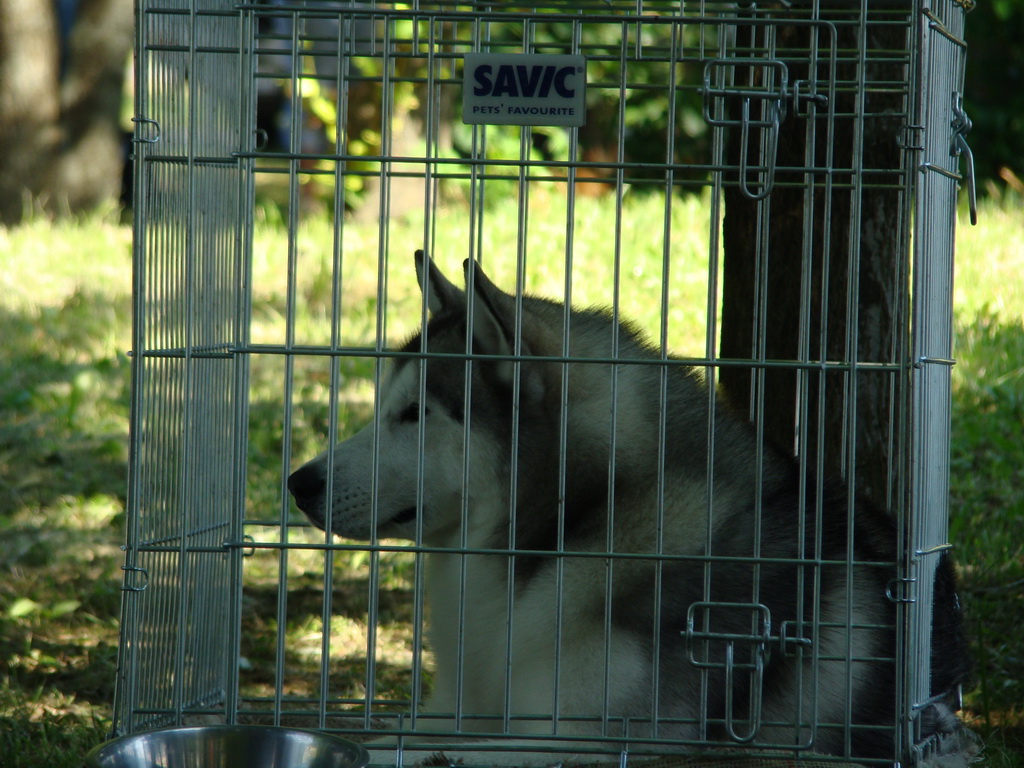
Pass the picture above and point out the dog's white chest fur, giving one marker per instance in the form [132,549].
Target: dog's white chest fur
[524,650]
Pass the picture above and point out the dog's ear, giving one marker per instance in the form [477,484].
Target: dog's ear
[492,311]
[440,293]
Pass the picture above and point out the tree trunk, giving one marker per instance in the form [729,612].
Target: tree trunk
[774,279]
[86,170]
[29,107]
[61,144]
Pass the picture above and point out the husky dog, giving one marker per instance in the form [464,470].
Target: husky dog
[639,568]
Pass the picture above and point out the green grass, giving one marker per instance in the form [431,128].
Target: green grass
[987,467]
[64,375]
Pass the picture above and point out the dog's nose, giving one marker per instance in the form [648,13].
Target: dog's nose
[307,484]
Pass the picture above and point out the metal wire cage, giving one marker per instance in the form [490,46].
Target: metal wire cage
[789,142]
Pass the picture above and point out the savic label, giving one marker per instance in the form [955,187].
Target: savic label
[524,89]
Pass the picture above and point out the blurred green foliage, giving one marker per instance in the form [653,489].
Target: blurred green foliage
[994,92]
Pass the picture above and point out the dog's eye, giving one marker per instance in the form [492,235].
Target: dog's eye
[411,413]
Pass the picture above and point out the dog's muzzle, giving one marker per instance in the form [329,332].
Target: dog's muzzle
[307,485]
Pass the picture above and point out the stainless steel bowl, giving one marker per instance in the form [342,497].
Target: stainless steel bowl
[228,746]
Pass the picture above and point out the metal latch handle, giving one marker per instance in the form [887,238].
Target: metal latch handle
[771,70]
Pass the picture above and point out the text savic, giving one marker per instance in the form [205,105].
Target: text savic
[524,89]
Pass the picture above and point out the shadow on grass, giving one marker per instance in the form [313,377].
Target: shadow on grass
[348,667]
[64,387]
[64,382]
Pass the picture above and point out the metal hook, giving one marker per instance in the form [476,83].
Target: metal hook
[961,126]
[773,145]
[135,569]
[757,678]
[147,121]
[898,590]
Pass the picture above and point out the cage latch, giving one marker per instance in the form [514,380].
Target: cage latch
[145,123]
[805,95]
[717,638]
[767,86]
[136,579]
[961,126]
